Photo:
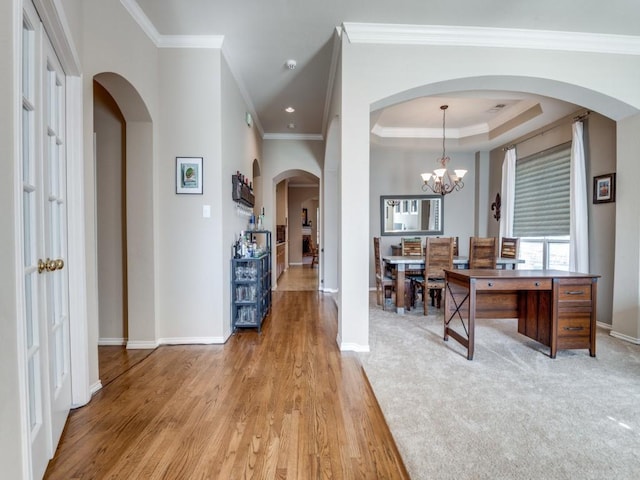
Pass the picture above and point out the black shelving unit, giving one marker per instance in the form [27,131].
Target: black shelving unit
[251,284]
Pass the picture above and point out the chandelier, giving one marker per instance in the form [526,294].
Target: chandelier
[441,181]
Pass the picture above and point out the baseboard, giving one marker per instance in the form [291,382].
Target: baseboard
[96,387]
[142,345]
[296,263]
[626,338]
[111,342]
[354,347]
[329,290]
[192,341]
[606,326]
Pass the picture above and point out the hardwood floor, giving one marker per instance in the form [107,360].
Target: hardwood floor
[284,404]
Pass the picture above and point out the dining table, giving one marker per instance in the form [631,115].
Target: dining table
[402,263]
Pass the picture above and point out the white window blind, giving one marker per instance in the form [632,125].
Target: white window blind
[542,193]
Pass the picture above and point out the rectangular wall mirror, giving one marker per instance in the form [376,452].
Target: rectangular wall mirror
[404,215]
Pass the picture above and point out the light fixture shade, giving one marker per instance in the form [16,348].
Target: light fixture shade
[440,172]
[426,177]
[460,173]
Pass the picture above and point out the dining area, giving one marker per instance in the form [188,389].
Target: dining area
[413,271]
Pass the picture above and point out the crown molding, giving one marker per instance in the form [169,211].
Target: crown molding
[169,41]
[491,37]
[293,136]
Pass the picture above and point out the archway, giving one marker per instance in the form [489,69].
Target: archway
[123,147]
[297,206]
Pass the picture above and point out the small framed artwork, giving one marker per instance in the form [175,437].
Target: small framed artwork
[189,175]
[604,188]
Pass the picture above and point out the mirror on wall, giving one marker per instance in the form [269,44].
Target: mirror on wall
[403,215]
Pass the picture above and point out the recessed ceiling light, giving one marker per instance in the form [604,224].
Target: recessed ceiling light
[291,126]
[291,64]
[289,109]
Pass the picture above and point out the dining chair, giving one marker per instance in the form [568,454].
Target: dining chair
[438,257]
[384,282]
[509,248]
[483,252]
[411,246]
[455,246]
[314,253]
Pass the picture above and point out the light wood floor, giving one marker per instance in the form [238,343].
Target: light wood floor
[284,404]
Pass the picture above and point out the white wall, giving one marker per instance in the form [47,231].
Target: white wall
[626,293]
[109,126]
[189,246]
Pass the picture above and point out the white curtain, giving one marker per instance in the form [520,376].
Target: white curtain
[579,229]
[508,193]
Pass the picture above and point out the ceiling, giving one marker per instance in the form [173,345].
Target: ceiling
[260,36]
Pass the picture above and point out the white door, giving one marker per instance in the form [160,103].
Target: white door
[46,320]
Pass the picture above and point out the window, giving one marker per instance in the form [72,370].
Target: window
[542,208]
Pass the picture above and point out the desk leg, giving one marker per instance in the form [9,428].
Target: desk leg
[400,289]
[460,304]
[472,319]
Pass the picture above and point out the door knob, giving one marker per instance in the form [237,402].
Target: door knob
[50,265]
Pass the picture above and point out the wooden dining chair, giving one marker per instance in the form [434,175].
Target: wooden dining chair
[314,253]
[483,252]
[438,256]
[509,248]
[384,282]
[455,246]
[411,246]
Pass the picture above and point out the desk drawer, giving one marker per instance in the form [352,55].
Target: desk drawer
[574,325]
[513,284]
[573,293]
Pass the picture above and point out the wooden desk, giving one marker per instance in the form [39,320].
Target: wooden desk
[555,308]
[404,263]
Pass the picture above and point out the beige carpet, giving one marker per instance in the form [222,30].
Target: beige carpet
[512,412]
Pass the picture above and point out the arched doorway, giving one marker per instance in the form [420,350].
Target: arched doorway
[123,154]
[297,230]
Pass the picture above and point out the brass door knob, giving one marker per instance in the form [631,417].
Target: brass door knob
[42,266]
[59,264]
[51,265]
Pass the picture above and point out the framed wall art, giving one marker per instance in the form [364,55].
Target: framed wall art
[604,188]
[189,175]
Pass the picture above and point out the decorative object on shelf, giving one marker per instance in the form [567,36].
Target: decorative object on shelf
[189,175]
[393,203]
[441,181]
[242,190]
[496,206]
[604,188]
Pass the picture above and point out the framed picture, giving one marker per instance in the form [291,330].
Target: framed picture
[604,188]
[189,175]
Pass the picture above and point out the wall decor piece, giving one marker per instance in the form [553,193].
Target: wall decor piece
[496,206]
[604,188]
[189,175]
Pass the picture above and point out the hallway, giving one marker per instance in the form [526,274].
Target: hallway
[285,403]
